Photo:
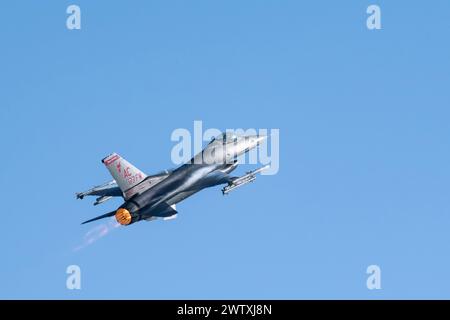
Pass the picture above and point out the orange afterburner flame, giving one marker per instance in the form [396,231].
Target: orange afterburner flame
[123,216]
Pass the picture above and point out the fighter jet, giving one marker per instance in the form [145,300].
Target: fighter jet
[155,196]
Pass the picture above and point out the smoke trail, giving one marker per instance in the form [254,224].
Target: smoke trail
[97,233]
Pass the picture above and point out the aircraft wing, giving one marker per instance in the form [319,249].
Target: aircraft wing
[103,192]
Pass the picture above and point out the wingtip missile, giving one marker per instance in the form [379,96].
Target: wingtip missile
[247,178]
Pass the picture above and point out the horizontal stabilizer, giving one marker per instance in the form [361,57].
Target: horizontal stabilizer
[106,215]
[171,217]
[164,210]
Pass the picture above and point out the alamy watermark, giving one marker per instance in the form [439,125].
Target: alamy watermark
[73,21]
[265,152]
[73,281]
[374,280]
[373,21]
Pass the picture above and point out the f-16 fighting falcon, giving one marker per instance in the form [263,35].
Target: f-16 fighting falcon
[155,196]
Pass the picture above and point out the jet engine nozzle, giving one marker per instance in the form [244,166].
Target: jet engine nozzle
[123,216]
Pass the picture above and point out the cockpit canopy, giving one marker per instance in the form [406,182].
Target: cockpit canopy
[226,137]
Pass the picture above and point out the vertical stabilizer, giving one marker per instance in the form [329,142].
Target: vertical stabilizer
[126,175]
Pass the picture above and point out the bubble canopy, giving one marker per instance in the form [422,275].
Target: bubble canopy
[226,137]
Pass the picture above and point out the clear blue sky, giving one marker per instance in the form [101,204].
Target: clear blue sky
[364,164]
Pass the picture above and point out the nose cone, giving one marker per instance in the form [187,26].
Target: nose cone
[260,139]
[256,140]
[242,144]
[252,142]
